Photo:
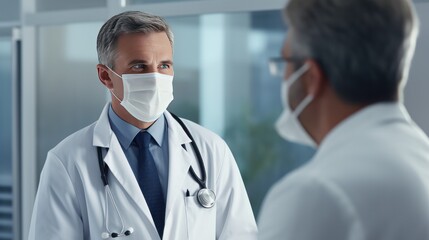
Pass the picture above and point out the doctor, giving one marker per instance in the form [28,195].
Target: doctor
[153,184]
[347,64]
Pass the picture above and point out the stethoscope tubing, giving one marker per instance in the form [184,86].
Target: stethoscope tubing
[203,180]
[104,169]
[206,197]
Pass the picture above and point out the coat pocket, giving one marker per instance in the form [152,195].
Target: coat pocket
[201,221]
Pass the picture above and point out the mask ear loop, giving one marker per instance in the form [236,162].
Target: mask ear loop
[302,105]
[111,90]
[115,95]
[291,80]
[297,74]
[113,72]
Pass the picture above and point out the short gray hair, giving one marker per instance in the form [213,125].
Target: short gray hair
[124,23]
[363,46]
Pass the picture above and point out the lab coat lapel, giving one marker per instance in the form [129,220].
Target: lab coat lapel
[121,170]
[118,164]
[180,161]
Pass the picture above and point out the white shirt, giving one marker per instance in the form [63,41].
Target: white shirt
[368,180]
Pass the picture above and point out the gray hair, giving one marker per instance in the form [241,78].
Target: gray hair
[364,47]
[124,23]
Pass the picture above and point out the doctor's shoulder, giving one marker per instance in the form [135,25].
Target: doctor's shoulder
[75,147]
[306,198]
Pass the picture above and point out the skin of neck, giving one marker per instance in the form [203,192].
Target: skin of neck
[325,112]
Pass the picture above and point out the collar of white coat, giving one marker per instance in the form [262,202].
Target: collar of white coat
[103,131]
[362,120]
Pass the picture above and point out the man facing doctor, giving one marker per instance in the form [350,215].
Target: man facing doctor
[348,61]
[153,175]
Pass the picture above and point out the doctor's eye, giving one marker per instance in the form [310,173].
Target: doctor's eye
[165,66]
[138,67]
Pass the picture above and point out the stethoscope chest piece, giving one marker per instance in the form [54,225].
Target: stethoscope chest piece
[206,197]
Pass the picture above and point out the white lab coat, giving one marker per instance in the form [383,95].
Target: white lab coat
[368,180]
[70,199]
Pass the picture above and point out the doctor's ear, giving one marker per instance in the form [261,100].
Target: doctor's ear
[315,79]
[103,76]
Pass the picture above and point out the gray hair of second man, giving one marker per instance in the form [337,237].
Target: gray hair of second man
[126,23]
[364,47]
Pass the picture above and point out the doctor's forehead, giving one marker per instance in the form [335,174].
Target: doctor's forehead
[144,47]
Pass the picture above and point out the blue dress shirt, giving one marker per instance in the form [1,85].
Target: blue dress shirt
[158,146]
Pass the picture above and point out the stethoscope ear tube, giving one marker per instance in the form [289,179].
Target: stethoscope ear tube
[106,235]
[109,196]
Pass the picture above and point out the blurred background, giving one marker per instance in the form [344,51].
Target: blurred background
[49,86]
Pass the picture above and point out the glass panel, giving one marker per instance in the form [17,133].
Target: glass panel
[221,68]
[10,10]
[186,101]
[69,95]
[221,81]
[51,5]
[6,139]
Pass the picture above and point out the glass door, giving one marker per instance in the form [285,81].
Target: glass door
[10,204]
[6,176]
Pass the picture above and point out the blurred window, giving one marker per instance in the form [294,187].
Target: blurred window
[222,81]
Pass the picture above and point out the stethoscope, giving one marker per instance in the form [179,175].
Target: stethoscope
[206,197]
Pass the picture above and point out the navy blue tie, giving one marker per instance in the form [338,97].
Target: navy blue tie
[149,181]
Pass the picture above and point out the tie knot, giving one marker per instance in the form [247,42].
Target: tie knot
[142,139]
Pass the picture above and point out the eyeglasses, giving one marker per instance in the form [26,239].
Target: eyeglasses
[278,65]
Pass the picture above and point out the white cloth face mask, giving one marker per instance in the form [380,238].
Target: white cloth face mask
[146,95]
[288,125]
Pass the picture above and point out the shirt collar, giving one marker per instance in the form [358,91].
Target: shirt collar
[126,132]
[362,120]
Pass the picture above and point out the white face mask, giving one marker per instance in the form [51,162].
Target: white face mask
[288,125]
[146,95]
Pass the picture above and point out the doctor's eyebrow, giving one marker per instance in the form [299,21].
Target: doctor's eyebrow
[141,61]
